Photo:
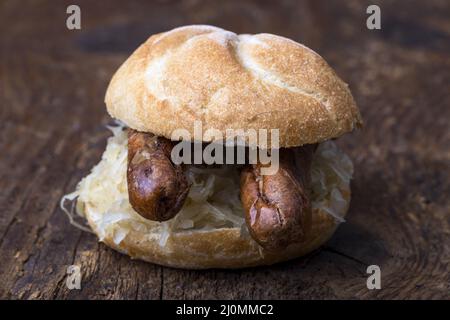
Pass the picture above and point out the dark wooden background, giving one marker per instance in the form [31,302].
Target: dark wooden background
[52,84]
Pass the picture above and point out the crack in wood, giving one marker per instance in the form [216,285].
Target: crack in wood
[11,222]
[136,294]
[58,287]
[161,290]
[25,201]
[332,250]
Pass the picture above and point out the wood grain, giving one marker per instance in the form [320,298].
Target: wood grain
[52,84]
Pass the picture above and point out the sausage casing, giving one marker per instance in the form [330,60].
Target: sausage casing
[157,188]
[278,207]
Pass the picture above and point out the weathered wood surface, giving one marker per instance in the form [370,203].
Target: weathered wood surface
[52,83]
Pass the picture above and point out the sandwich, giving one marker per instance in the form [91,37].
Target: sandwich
[164,191]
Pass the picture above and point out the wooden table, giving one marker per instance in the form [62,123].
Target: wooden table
[53,82]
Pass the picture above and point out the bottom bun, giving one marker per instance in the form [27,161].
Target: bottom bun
[210,230]
[220,248]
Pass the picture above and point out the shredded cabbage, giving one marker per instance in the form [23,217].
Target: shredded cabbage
[213,200]
[331,170]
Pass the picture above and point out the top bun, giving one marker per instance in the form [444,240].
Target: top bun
[230,81]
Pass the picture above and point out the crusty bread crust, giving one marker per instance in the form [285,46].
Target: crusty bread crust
[229,81]
[219,248]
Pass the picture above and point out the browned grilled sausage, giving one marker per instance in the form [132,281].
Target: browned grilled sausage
[157,188]
[277,207]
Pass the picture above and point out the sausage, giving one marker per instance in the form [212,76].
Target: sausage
[157,188]
[278,207]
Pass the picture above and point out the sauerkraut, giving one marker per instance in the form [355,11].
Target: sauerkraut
[213,200]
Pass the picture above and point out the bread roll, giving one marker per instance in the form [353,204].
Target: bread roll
[229,81]
[209,231]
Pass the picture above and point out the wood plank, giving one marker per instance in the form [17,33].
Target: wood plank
[52,84]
